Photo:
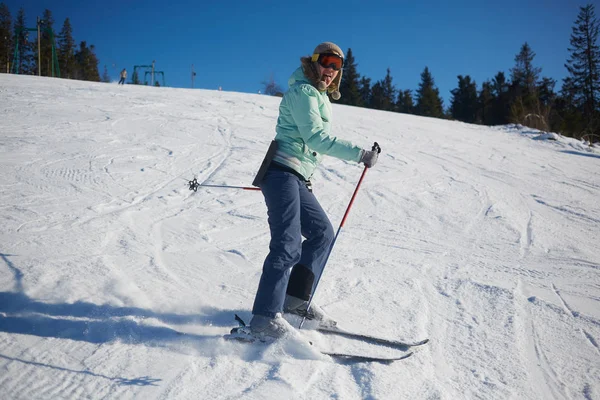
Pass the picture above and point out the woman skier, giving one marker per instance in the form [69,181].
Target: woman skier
[302,139]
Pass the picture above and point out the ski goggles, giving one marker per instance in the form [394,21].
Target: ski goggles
[328,60]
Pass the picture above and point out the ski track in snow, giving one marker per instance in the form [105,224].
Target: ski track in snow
[479,238]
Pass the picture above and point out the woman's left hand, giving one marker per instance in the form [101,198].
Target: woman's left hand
[369,157]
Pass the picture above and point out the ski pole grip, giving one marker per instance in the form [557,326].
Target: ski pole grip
[376,147]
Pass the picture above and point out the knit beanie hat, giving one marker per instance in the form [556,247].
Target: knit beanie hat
[329,48]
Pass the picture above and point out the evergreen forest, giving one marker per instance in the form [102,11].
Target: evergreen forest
[75,61]
[522,95]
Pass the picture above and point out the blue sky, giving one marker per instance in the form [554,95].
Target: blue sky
[239,44]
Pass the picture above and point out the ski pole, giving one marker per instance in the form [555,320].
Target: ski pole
[375,147]
[195,184]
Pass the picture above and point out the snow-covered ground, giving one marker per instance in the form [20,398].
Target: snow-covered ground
[482,239]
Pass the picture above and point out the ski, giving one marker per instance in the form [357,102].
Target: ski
[238,335]
[355,358]
[398,344]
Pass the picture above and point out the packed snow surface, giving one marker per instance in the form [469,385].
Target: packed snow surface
[480,238]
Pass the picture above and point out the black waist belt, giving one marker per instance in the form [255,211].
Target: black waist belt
[280,167]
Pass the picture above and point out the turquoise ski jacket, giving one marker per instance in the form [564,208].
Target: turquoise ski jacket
[304,126]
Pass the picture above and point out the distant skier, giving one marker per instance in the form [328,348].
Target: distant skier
[302,139]
[123,76]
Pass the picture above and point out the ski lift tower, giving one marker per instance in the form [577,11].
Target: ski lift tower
[156,73]
[38,29]
[153,62]
[151,67]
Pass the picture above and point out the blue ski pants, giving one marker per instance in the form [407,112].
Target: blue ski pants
[293,212]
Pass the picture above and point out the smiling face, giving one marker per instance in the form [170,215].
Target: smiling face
[327,74]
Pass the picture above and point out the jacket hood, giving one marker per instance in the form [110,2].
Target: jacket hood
[298,77]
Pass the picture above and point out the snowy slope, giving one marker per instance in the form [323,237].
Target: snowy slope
[482,239]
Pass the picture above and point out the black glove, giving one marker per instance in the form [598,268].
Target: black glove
[369,157]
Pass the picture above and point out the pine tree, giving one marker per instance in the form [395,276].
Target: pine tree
[583,65]
[80,61]
[463,105]
[383,94]
[6,39]
[545,90]
[135,78]
[524,75]
[389,92]
[105,76]
[429,102]
[526,107]
[350,85]
[25,64]
[501,100]
[91,70]
[66,51]
[548,101]
[485,104]
[376,100]
[365,91]
[46,43]
[568,118]
[87,63]
[405,103]
[94,73]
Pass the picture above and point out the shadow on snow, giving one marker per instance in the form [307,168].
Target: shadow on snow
[581,153]
[141,381]
[88,322]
